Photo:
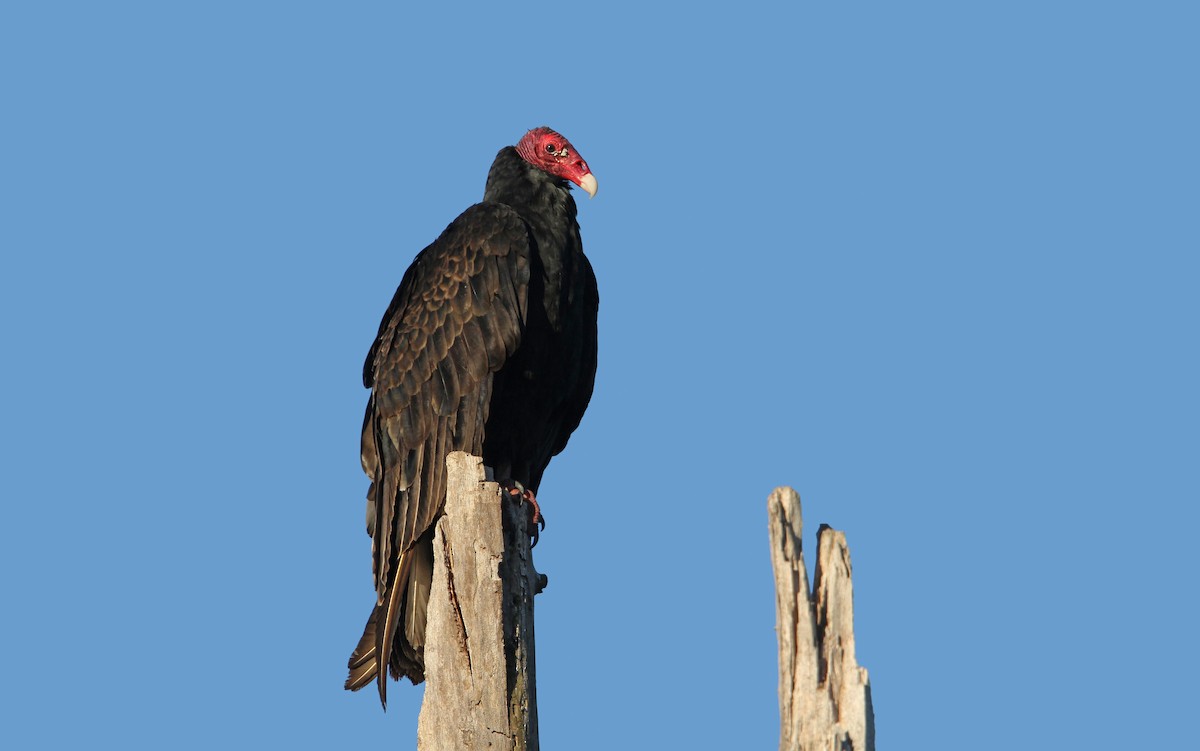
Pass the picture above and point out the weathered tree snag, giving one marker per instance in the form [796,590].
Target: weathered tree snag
[479,659]
[824,696]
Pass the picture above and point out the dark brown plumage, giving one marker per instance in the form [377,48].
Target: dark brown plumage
[489,347]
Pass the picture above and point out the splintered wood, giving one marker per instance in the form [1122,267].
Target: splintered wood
[479,659]
[824,696]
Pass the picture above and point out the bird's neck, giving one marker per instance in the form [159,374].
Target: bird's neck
[545,203]
[540,198]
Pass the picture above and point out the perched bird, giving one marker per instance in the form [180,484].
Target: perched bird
[488,347]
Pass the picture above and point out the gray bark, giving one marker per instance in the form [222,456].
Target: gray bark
[824,696]
[480,688]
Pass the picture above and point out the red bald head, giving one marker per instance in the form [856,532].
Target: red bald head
[550,152]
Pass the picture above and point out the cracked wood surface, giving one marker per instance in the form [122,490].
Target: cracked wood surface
[479,658]
[824,696]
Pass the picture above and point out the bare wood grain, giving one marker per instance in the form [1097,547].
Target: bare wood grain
[479,650]
[824,696]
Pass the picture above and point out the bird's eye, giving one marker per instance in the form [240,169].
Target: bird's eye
[550,148]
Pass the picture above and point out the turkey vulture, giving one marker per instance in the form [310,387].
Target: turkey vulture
[488,347]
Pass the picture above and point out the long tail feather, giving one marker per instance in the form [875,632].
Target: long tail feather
[369,660]
[393,640]
[391,614]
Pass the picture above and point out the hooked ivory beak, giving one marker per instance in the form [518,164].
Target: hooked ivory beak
[588,183]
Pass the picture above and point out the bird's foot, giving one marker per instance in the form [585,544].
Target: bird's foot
[520,494]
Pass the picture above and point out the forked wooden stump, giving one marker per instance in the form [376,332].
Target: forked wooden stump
[824,696]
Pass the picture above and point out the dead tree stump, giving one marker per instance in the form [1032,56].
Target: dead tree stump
[824,696]
[479,658]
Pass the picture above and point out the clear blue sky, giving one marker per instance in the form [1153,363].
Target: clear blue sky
[932,263]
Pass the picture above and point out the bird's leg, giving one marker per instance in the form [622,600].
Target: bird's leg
[520,494]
